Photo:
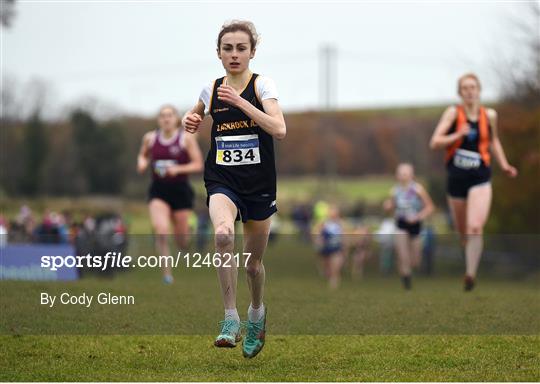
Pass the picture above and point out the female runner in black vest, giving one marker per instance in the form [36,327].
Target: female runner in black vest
[240,176]
[468,131]
[172,155]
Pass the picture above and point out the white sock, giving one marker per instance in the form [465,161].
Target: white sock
[255,314]
[232,314]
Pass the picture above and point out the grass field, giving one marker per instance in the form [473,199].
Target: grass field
[367,330]
[285,358]
[346,192]
[371,190]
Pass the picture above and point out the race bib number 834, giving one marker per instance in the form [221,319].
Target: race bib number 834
[237,150]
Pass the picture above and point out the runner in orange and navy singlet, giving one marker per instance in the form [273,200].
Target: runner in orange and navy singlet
[468,132]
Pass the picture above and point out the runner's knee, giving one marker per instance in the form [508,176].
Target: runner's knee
[475,229]
[182,240]
[224,235]
[161,229]
[253,268]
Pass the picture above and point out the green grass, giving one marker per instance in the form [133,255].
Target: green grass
[346,192]
[367,330]
[371,189]
[284,358]
[371,307]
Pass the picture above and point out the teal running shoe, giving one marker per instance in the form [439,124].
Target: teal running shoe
[254,340]
[230,334]
[168,279]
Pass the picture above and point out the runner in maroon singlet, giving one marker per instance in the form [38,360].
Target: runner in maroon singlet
[172,156]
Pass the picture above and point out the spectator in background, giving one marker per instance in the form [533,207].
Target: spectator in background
[320,211]
[3,231]
[275,225]
[385,237]
[203,227]
[301,216]
[361,240]
[59,221]
[25,213]
[358,211]
[22,229]
[330,243]
[68,230]
[47,231]
[428,249]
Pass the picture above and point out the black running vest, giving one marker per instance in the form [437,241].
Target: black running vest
[241,155]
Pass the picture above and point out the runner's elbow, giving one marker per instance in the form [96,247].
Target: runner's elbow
[281,132]
[199,166]
[435,143]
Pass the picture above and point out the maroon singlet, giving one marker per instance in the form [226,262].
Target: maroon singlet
[166,152]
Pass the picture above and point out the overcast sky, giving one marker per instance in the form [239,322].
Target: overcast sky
[137,55]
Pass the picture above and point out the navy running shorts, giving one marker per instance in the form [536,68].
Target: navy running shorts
[248,207]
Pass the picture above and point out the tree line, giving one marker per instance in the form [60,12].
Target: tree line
[85,156]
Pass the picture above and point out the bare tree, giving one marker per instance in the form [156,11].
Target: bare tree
[7,12]
[520,73]
[9,104]
[36,97]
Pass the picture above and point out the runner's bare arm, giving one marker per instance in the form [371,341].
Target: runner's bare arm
[143,157]
[497,147]
[429,207]
[193,118]
[388,203]
[195,164]
[271,120]
[441,138]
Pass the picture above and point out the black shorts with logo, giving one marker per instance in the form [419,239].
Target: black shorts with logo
[248,207]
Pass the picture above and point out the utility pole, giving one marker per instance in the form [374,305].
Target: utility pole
[328,76]
[327,95]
